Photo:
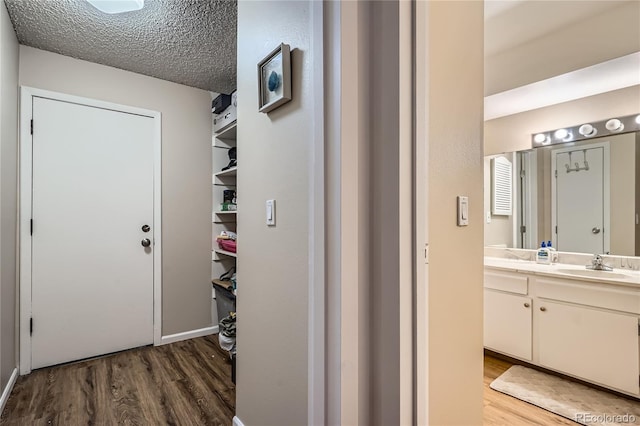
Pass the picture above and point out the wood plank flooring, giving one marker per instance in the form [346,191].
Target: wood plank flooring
[183,383]
[505,410]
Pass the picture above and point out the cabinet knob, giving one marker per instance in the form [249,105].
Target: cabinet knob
[542,308]
[526,305]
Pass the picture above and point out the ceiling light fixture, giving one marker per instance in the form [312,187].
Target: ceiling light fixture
[614,125]
[587,130]
[580,132]
[117,6]
[540,138]
[562,134]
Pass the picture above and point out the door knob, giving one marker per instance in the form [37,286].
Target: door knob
[543,308]
[146,228]
[146,242]
[595,230]
[526,305]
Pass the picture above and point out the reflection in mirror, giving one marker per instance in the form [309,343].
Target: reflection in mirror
[581,196]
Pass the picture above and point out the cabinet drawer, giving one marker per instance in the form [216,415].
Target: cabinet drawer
[506,281]
[590,294]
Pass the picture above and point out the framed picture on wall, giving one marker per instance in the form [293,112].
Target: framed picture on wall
[274,79]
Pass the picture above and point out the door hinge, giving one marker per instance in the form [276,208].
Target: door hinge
[30,325]
[30,226]
[638,329]
[522,173]
[556,229]
[31,126]
[523,229]
[556,173]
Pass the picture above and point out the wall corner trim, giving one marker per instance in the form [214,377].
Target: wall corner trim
[188,335]
[237,422]
[7,389]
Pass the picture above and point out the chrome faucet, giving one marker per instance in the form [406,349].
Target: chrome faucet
[597,264]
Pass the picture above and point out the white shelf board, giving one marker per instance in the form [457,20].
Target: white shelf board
[229,133]
[231,223]
[225,212]
[222,252]
[227,173]
[223,143]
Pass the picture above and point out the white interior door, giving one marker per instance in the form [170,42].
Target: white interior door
[579,200]
[92,192]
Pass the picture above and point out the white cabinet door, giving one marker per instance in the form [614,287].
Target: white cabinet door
[507,323]
[592,344]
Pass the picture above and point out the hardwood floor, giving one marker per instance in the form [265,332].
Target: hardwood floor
[501,409]
[183,383]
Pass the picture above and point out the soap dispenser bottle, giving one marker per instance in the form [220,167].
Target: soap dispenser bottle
[553,255]
[543,255]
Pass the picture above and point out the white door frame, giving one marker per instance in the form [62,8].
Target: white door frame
[527,201]
[606,193]
[25,204]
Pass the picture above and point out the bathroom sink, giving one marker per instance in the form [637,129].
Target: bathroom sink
[593,273]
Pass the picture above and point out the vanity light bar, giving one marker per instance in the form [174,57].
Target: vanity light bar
[612,126]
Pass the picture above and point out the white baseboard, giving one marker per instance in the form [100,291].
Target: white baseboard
[237,422]
[7,389]
[189,334]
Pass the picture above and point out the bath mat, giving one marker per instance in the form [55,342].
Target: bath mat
[572,400]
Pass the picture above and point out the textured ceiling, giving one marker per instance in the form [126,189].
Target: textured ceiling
[192,42]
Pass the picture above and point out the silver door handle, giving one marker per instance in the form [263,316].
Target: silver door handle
[595,230]
[146,242]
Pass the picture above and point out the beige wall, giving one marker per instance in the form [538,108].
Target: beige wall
[500,231]
[8,193]
[274,152]
[456,255]
[603,37]
[513,132]
[186,170]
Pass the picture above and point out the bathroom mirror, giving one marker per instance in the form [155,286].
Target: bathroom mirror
[582,196]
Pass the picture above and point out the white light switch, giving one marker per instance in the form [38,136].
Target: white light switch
[463,210]
[271,212]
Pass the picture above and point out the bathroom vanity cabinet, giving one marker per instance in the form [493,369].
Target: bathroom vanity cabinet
[583,328]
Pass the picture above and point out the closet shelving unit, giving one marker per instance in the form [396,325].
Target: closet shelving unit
[222,141]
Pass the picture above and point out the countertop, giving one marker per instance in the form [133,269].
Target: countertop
[618,276]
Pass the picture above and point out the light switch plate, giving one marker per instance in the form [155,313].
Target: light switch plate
[271,212]
[463,210]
